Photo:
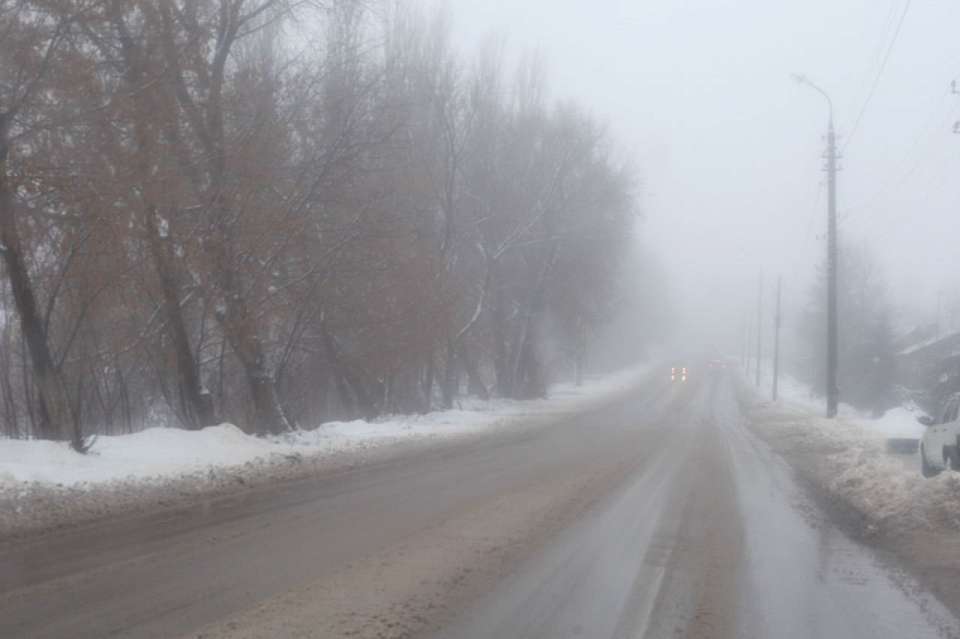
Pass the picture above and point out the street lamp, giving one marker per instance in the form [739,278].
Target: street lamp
[804,80]
[833,390]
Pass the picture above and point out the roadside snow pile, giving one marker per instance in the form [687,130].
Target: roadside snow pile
[899,422]
[149,453]
[849,461]
[891,496]
[165,452]
[896,422]
[471,415]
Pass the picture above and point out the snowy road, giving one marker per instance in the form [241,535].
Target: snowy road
[659,515]
[713,539]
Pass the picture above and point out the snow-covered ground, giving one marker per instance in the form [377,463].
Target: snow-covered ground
[852,464]
[156,453]
[899,422]
[848,458]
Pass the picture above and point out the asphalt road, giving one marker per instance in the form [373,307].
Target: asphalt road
[658,515]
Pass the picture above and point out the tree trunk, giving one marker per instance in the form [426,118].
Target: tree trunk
[474,381]
[347,383]
[449,387]
[524,342]
[501,360]
[428,378]
[580,354]
[269,416]
[241,334]
[198,405]
[54,404]
[531,382]
[240,329]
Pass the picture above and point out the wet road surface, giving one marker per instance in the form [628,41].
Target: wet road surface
[659,515]
[714,539]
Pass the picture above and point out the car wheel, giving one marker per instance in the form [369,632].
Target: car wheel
[926,469]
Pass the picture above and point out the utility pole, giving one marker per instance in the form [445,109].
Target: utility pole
[747,349]
[745,341]
[955,91]
[759,325]
[776,342]
[833,390]
[939,312]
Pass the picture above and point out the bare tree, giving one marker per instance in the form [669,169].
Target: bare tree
[33,40]
[210,210]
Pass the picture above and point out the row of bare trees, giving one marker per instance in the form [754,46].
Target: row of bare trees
[280,212]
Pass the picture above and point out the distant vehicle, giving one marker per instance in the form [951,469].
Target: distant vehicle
[678,374]
[940,444]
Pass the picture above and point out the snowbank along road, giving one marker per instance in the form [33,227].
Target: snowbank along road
[658,515]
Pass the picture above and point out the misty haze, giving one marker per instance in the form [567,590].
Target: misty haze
[479,319]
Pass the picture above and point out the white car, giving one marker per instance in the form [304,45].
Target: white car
[940,444]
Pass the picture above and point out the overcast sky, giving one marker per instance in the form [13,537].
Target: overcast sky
[729,146]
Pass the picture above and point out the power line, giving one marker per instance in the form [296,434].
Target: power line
[876,80]
[915,156]
[878,233]
[889,24]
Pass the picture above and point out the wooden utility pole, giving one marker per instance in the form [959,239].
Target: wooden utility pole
[939,312]
[759,326]
[745,343]
[776,342]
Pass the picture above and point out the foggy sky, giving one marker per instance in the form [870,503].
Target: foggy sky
[729,146]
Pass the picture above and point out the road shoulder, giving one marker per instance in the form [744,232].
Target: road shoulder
[910,522]
[29,510]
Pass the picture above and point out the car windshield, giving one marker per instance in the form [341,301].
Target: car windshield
[467,319]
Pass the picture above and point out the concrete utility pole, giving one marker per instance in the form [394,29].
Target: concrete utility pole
[776,342]
[745,342]
[833,390]
[955,91]
[939,312]
[759,325]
